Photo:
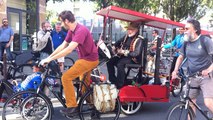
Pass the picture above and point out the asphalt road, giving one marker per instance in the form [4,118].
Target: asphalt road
[149,111]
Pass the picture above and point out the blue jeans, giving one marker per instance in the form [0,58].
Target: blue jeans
[8,52]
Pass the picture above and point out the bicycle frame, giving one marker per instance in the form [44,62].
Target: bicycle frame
[187,100]
[59,94]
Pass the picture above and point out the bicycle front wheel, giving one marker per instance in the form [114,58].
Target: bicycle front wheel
[179,112]
[27,105]
[88,111]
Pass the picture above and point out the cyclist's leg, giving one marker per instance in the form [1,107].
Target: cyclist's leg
[194,93]
[87,81]
[79,68]
[206,87]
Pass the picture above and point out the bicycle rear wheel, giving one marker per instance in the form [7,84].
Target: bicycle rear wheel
[179,112]
[27,105]
[88,111]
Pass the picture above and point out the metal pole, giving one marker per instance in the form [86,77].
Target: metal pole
[5,65]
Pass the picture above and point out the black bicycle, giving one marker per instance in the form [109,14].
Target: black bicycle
[182,110]
[14,71]
[18,68]
[36,105]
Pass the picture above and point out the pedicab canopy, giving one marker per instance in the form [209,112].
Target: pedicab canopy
[133,16]
[204,32]
[148,20]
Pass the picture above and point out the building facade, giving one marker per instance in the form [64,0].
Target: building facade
[24,17]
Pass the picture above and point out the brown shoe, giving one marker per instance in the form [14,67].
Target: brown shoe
[69,111]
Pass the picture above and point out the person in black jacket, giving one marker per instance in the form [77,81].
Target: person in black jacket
[128,50]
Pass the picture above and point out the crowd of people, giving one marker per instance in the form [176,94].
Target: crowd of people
[56,44]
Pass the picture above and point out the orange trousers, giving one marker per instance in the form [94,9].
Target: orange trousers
[80,67]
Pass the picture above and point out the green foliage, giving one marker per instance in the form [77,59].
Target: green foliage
[145,6]
[49,14]
[175,10]
[178,10]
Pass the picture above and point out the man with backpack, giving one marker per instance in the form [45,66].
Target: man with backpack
[198,50]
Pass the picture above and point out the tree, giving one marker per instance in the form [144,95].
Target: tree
[178,10]
[145,6]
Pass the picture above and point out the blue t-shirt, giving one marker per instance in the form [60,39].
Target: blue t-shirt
[58,38]
[5,34]
[177,43]
[30,83]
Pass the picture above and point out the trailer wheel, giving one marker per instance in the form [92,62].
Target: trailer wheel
[130,108]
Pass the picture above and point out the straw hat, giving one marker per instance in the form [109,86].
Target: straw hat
[133,25]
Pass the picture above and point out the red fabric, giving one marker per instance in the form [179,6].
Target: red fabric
[145,93]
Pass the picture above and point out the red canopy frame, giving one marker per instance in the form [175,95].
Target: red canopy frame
[133,16]
[148,20]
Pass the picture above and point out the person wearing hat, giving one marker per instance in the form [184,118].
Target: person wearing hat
[128,50]
[32,81]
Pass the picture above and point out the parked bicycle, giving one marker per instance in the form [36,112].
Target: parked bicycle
[36,105]
[182,109]
[14,70]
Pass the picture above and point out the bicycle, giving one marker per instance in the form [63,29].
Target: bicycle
[182,110]
[14,72]
[18,68]
[36,105]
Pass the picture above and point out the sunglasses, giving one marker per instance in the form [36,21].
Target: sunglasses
[186,28]
[5,21]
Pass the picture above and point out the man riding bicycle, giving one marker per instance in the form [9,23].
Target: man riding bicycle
[79,38]
[198,50]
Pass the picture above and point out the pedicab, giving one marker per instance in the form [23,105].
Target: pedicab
[133,95]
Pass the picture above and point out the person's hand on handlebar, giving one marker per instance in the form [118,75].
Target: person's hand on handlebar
[45,61]
[206,72]
[174,75]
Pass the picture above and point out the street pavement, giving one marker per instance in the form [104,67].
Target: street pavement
[149,111]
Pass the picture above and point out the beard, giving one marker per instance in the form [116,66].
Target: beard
[131,35]
[188,36]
